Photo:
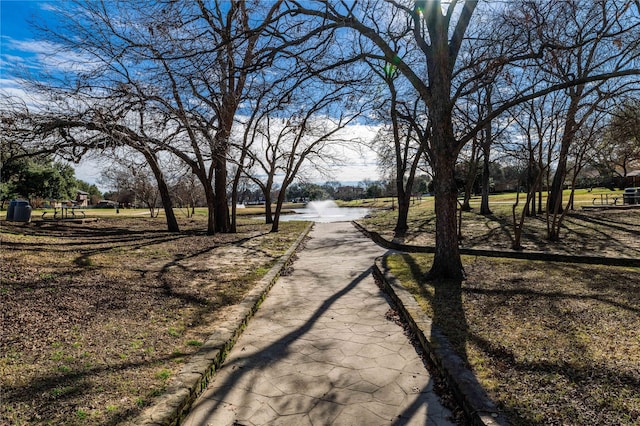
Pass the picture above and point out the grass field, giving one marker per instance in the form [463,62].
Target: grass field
[97,317]
[592,232]
[553,343]
[139,212]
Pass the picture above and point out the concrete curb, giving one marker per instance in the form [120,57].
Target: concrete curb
[195,375]
[510,254]
[475,402]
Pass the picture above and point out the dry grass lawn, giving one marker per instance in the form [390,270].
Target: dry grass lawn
[553,343]
[97,317]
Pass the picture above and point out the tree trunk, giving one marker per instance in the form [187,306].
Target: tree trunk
[210,198]
[471,177]
[275,222]
[531,185]
[404,200]
[234,212]
[486,180]
[221,208]
[554,202]
[446,262]
[234,200]
[167,203]
[211,206]
[540,187]
[486,154]
[268,214]
[275,225]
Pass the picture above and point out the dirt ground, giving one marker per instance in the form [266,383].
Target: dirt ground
[96,317]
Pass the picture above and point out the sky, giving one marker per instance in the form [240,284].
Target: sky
[19,45]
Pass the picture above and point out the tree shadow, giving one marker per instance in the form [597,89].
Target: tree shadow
[280,349]
[572,368]
[449,314]
[56,391]
[76,293]
[445,299]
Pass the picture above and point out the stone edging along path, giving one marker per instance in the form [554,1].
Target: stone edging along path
[469,393]
[196,374]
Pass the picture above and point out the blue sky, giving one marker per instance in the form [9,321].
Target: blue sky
[14,15]
[14,26]
[19,45]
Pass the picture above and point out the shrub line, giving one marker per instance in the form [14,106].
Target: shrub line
[194,377]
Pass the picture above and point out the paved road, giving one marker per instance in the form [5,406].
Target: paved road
[320,351]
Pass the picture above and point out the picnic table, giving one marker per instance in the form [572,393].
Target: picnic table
[604,200]
[63,212]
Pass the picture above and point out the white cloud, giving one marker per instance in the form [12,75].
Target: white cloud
[43,54]
[12,59]
[89,170]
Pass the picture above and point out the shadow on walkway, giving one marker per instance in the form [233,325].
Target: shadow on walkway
[280,347]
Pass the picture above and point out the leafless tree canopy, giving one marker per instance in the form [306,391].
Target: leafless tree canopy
[248,85]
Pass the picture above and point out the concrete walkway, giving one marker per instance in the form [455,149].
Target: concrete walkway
[320,351]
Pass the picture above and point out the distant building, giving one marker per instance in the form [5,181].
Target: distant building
[82,199]
[632,179]
[348,193]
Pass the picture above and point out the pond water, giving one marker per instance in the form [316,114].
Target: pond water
[326,211]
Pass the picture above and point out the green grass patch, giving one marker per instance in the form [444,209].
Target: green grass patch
[163,374]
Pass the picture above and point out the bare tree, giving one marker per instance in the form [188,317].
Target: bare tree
[403,144]
[186,65]
[436,33]
[289,136]
[618,151]
[129,175]
[587,38]
[188,192]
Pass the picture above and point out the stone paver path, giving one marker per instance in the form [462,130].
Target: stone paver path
[320,351]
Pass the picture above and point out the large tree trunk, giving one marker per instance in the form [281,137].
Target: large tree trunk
[221,207]
[404,200]
[446,262]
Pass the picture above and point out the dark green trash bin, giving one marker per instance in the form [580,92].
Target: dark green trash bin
[22,211]
[629,196]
